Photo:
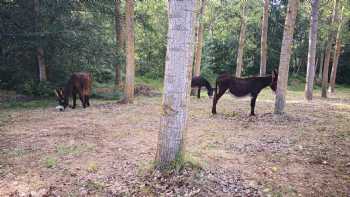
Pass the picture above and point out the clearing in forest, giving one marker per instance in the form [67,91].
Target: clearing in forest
[107,149]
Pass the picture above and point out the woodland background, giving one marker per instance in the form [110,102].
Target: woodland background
[81,35]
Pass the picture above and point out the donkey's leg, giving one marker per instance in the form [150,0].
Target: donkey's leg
[74,95]
[87,102]
[216,99]
[252,105]
[82,99]
[199,92]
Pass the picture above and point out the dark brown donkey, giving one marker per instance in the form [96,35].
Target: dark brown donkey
[199,82]
[241,87]
[79,83]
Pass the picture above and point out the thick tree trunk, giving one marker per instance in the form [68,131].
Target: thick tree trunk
[239,65]
[337,52]
[263,49]
[119,47]
[287,42]
[178,68]
[330,41]
[130,54]
[199,41]
[39,51]
[310,74]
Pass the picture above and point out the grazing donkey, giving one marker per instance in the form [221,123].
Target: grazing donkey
[79,83]
[240,87]
[200,81]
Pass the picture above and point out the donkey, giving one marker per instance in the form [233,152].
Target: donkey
[200,81]
[79,83]
[241,87]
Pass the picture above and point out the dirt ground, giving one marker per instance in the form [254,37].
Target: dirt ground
[106,149]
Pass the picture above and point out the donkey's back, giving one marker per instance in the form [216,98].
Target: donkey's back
[239,87]
[82,82]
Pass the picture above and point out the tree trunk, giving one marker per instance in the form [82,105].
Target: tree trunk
[178,68]
[39,51]
[319,78]
[282,82]
[239,65]
[119,47]
[263,49]
[130,54]
[41,64]
[310,74]
[199,41]
[337,52]
[330,41]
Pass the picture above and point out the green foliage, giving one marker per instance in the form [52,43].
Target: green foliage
[36,88]
[150,32]
[154,83]
[80,36]
[73,34]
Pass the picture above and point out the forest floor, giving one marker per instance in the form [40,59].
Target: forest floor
[108,149]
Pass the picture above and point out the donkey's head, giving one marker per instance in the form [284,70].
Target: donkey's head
[61,98]
[274,80]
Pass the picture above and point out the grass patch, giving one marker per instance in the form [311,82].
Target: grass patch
[92,167]
[27,104]
[17,152]
[63,149]
[50,162]
[181,161]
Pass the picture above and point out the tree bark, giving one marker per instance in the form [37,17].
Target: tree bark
[337,52]
[130,52]
[39,51]
[178,70]
[199,41]
[239,65]
[41,64]
[310,74]
[263,48]
[119,47]
[286,49]
[330,41]
[319,78]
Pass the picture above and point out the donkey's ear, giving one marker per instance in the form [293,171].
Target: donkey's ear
[60,90]
[56,93]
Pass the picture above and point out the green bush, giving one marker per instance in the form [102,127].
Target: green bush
[36,88]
